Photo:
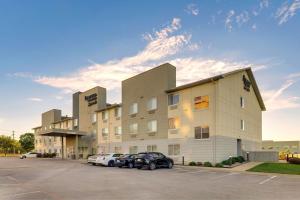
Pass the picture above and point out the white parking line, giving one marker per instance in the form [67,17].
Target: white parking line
[230,174]
[267,180]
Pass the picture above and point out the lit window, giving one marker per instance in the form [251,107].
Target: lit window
[151,148]
[202,132]
[242,124]
[118,130]
[242,102]
[201,102]
[104,115]
[104,131]
[152,126]
[174,149]
[133,109]
[173,123]
[173,99]
[133,149]
[152,104]
[118,112]
[133,128]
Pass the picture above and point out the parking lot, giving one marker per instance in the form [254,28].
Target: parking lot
[58,179]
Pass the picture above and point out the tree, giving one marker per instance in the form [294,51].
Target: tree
[6,144]
[27,141]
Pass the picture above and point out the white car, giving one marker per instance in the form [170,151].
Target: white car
[29,155]
[92,159]
[108,159]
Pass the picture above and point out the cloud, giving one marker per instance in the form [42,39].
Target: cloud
[254,27]
[294,75]
[35,99]
[59,97]
[192,9]
[263,4]
[228,20]
[242,18]
[286,11]
[276,99]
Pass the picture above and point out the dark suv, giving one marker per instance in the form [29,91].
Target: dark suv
[153,160]
[127,160]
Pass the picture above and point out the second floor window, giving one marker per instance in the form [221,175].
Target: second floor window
[201,102]
[173,99]
[242,102]
[118,112]
[133,109]
[133,128]
[202,132]
[94,118]
[152,104]
[173,123]
[104,131]
[118,130]
[104,115]
[152,126]
[75,122]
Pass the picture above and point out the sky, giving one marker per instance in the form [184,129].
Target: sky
[51,49]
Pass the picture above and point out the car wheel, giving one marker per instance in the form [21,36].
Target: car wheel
[120,166]
[152,166]
[93,163]
[130,165]
[170,165]
[111,163]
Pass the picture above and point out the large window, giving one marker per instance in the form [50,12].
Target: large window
[75,122]
[94,118]
[133,128]
[104,131]
[133,109]
[201,102]
[174,123]
[118,112]
[151,148]
[201,132]
[174,149]
[152,126]
[243,124]
[118,130]
[133,149]
[173,99]
[152,104]
[242,102]
[105,115]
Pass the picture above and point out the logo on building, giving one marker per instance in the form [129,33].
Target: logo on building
[91,99]
[247,83]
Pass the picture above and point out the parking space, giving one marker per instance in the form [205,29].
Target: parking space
[57,179]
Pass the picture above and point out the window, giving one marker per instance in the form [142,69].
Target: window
[152,104]
[104,115]
[174,149]
[118,112]
[133,149]
[151,148]
[152,126]
[202,132]
[75,122]
[94,118]
[173,123]
[173,99]
[201,102]
[118,130]
[133,128]
[242,102]
[118,150]
[133,109]
[104,131]
[242,124]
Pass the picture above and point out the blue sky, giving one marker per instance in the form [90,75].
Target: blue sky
[50,49]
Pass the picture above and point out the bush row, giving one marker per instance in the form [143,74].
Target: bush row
[46,155]
[232,160]
[294,161]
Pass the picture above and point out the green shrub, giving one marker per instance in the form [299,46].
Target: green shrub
[219,165]
[241,159]
[294,161]
[207,164]
[235,160]
[226,162]
[199,163]
[192,163]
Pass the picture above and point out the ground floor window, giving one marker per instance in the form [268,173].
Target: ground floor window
[202,132]
[151,148]
[133,150]
[118,149]
[174,149]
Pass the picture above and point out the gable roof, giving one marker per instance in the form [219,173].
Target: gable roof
[221,76]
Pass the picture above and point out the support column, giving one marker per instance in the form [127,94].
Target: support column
[62,147]
[76,147]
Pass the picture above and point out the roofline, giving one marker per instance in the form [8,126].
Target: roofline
[221,76]
[109,107]
[62,120]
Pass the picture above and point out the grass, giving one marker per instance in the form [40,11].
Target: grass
[281,168]
[9,155]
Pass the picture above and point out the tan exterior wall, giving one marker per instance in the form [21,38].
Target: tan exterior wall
[140,89]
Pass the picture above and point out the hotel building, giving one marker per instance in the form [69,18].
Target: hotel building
[207,120]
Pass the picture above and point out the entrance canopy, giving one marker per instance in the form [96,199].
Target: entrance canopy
[61,133]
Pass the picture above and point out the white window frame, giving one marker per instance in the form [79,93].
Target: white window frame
[118,112]
[105,131]
[152,126]
[75,122]
[133,128]
[152,104]
[118,130]
[242,125]
[171,150]
[104,115]
[152,148]
[133,109]
[172,103]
